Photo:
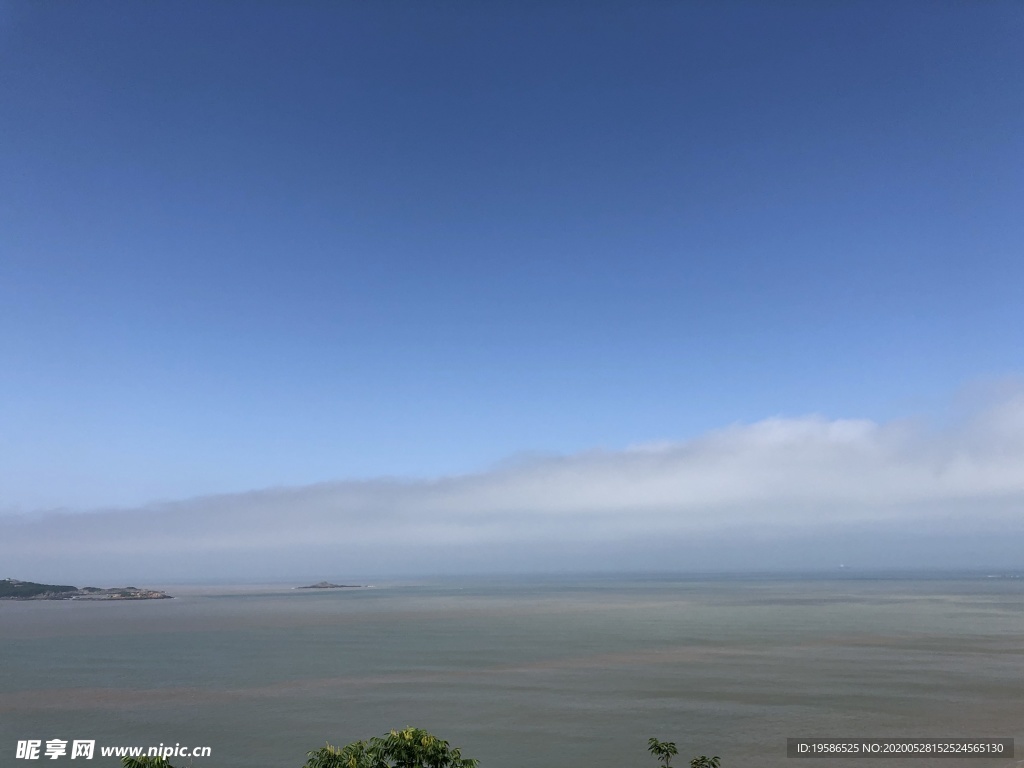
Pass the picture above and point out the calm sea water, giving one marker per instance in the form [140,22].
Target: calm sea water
[568,673]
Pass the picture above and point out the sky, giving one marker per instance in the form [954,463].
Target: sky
[510,285]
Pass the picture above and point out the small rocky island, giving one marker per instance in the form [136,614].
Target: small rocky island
[328,585]
[12,589]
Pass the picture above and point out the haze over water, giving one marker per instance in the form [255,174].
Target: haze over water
[532,672]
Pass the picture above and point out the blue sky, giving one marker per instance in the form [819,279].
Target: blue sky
[250,245]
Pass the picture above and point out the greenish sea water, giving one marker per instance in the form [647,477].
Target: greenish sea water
[525,673]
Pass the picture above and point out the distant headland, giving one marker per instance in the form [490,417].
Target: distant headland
[12,589]
[328,585]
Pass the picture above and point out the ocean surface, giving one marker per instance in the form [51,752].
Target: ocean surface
[565,672]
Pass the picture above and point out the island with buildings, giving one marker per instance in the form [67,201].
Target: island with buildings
[13,589]
[328,585]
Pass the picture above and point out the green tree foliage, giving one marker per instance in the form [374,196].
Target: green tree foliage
[663,750]
[408,748]
[145,762]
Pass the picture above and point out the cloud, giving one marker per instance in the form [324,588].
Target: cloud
[783,491]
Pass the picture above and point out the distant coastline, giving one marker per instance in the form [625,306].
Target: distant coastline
[13,589]
[328,585]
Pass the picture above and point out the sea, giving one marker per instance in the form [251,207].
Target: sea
[526,672]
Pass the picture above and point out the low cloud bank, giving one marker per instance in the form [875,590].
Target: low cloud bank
[782,493]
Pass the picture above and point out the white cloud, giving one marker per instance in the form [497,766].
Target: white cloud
[782,478]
